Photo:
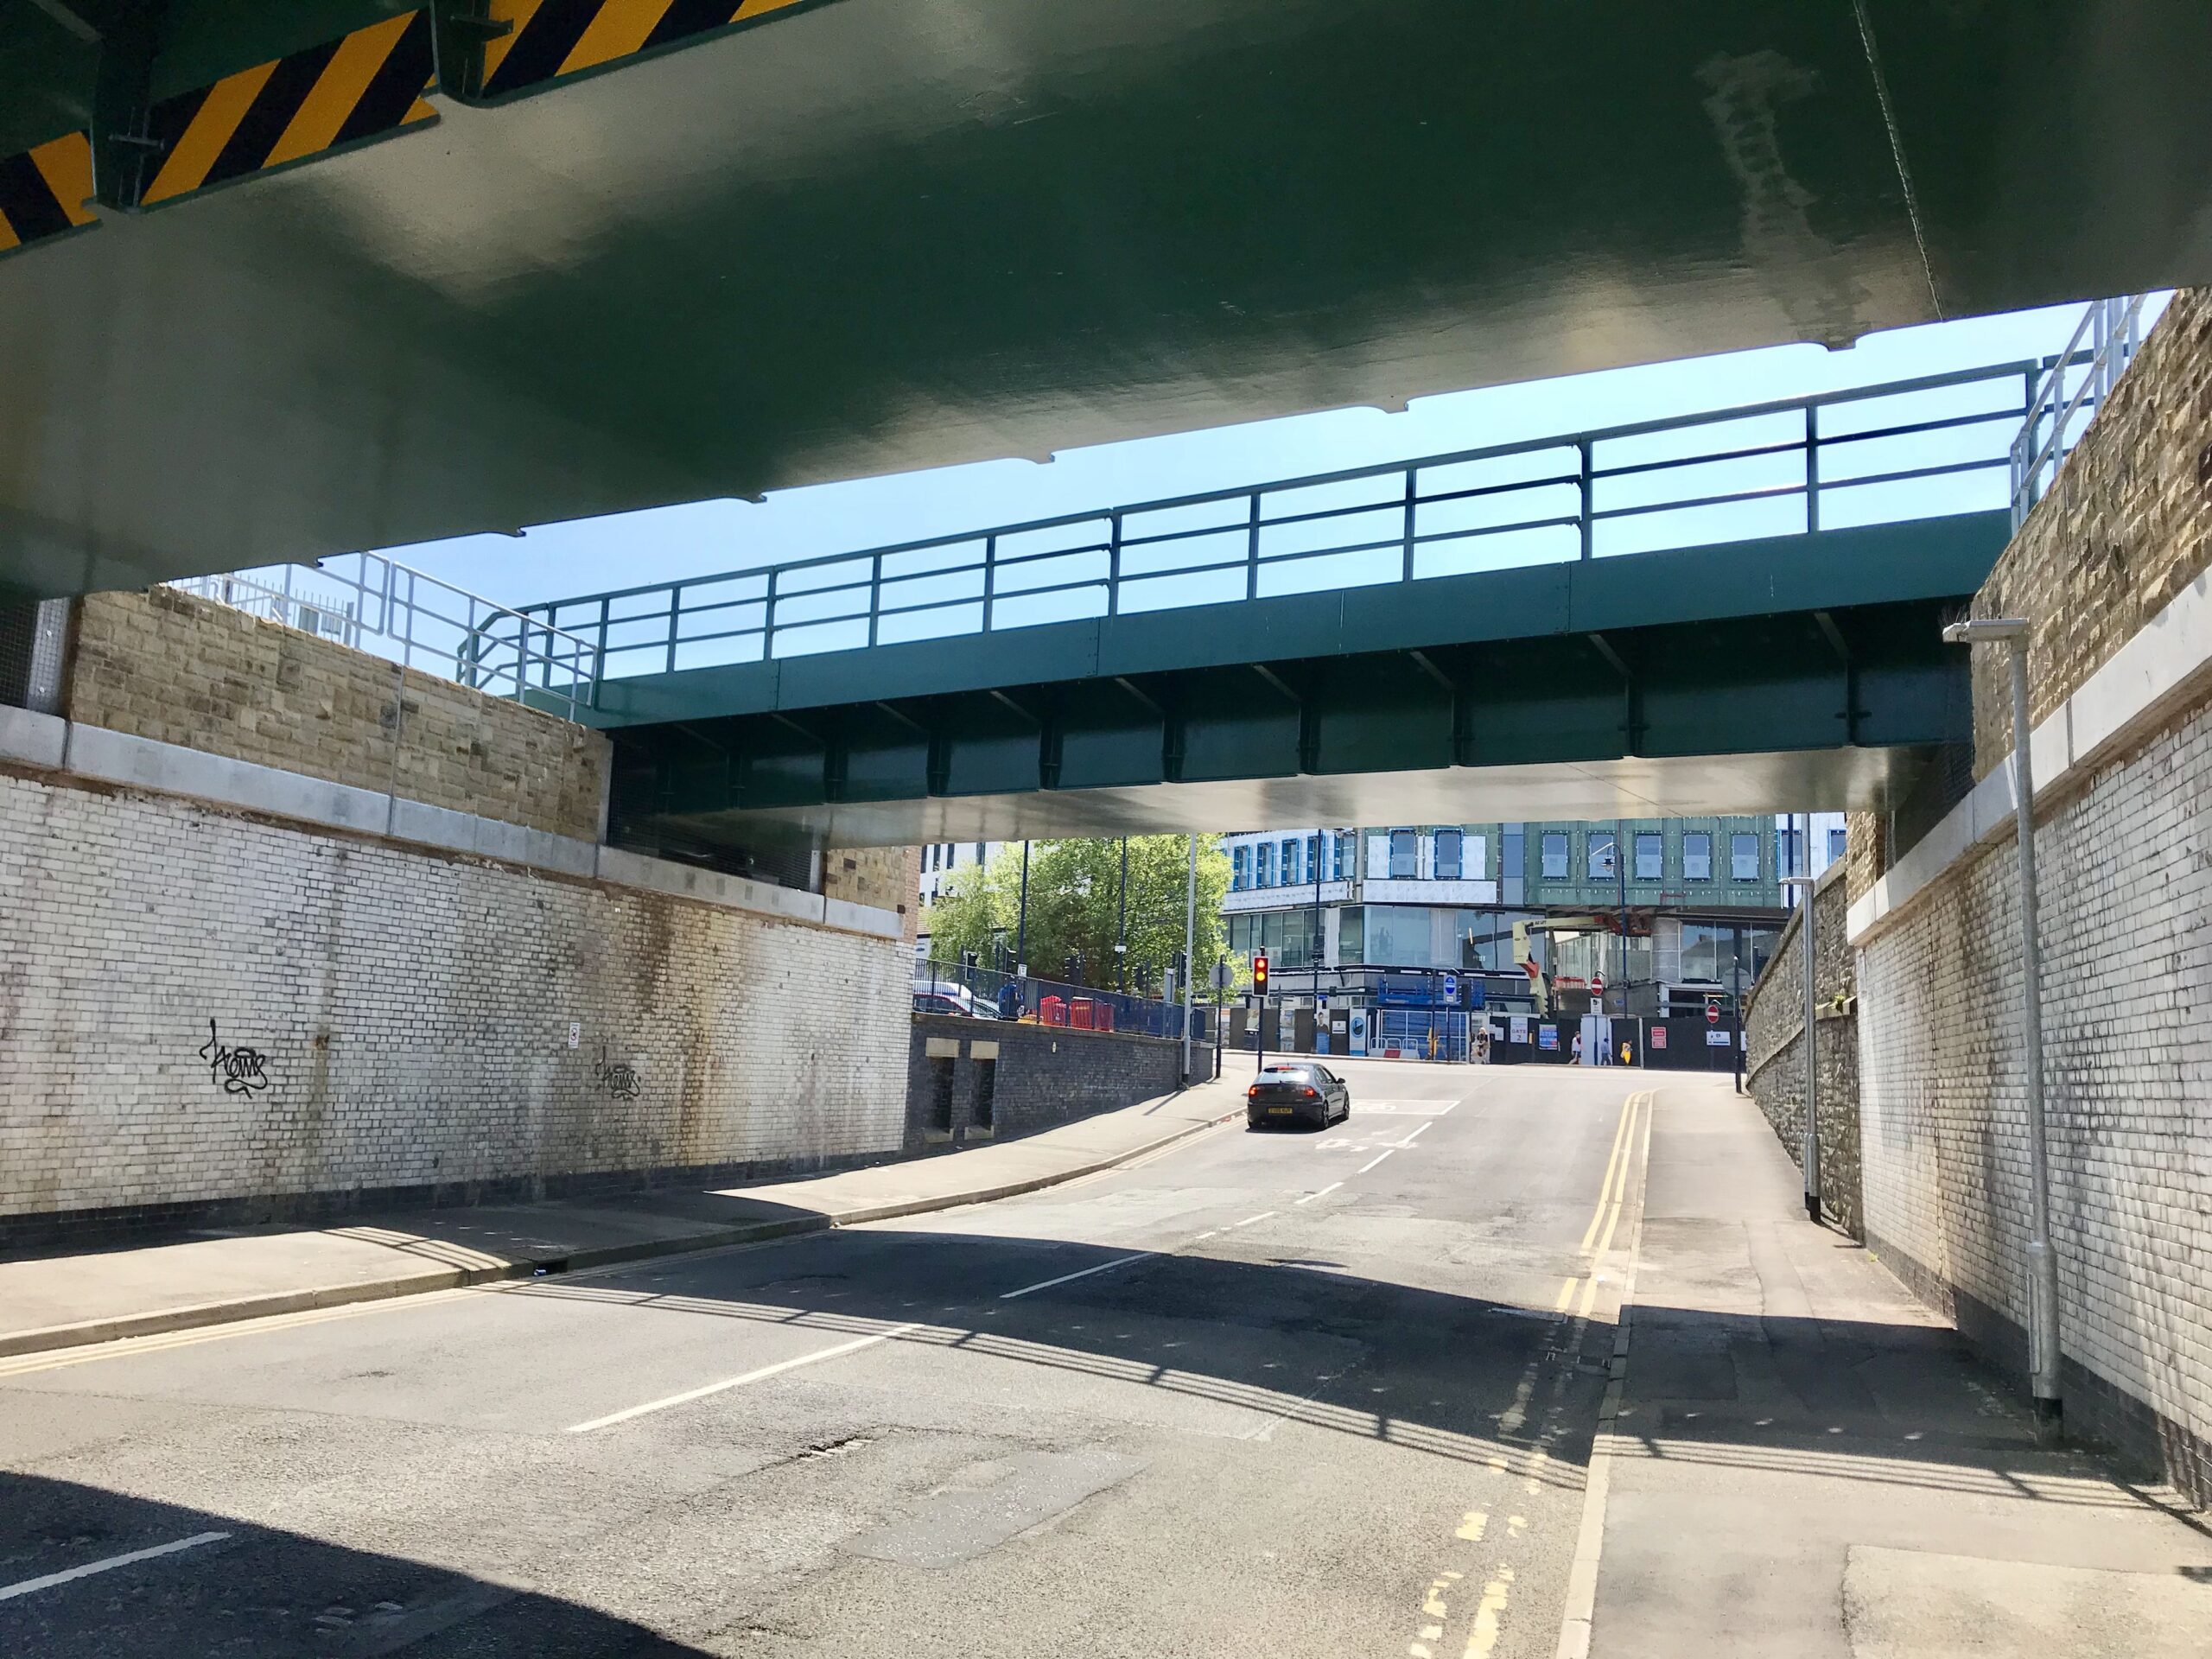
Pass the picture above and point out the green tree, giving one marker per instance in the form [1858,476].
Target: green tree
[1075,908]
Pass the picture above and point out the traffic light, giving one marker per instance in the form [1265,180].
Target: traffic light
[1259,973]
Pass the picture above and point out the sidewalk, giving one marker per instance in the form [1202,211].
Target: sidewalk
[59,1301]
[1806,1462]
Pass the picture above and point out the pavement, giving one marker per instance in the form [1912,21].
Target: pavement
[1515,1362]
[55,1299]
[1806,1461]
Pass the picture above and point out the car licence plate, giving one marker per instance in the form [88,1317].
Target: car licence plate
[1284,1110]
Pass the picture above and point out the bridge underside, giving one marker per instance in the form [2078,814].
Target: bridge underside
[1794,672]
[868,235]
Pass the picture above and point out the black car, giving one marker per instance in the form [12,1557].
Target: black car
[1296,1092]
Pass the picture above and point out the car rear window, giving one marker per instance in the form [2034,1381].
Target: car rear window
[1286,1074]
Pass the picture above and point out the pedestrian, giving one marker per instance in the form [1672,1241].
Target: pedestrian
[1575,1056]
[1010,1000]
[1626,1053]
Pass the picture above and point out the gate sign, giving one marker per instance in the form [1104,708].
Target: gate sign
[1658,1036]
[1712,1010]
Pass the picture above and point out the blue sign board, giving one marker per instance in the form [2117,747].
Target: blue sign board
[1548,1037]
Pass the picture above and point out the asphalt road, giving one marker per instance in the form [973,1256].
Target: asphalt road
[1283,1394]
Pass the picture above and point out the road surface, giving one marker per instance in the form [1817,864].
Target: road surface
[1284,1393]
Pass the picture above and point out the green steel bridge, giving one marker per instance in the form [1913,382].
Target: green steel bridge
[1726,611]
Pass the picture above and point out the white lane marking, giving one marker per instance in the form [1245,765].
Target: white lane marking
[728,1382]
[9,1592]
[1324,1193]
[1046,1284]
[1209,1233]
[1415,1136]
[1248,1220]
[1371,1162]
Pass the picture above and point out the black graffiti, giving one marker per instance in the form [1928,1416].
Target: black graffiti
[238,1070]
[617,1077]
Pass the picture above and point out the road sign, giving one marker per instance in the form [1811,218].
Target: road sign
[1712,1010]
[1596,984]
[1451,987]
[1221,977]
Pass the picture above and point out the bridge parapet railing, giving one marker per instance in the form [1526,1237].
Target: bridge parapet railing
[1902,450]
[392,610]
[2072,388]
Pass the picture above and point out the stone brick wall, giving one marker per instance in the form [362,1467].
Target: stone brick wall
[1044,1076]
[208,1015]
[2125,873]
[182,669]
[2124,528]
[2124,858]
[1774,1026]
[885,878]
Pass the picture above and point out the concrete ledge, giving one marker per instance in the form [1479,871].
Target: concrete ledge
[2165,667]
[32,740]
[49,743]
[118,758]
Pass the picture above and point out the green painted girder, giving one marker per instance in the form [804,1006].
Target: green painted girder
[1853,681]
[866,237]
[1932,558]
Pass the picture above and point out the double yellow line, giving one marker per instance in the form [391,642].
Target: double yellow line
[1612,1195]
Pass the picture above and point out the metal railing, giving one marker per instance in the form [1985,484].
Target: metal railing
[982,992]
[1907,449]
[378,605]
[2104,344]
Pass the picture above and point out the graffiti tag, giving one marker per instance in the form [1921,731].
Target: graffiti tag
[617,1077]
[237,1070]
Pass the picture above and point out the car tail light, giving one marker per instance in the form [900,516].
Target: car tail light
[1311,1094]
[1253,1093]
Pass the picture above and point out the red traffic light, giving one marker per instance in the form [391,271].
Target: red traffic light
[1259,973]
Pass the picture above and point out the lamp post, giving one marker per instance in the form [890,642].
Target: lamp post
[1021,924]
[1190,957]
[2011,631]
[1810,1151]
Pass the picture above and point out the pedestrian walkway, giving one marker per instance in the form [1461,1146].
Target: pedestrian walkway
[57,1301]
[1807,1462]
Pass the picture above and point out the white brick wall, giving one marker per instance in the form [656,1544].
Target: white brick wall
[414,1012]
[2126,875]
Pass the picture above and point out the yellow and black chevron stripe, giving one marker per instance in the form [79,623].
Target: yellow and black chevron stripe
[43,191]
[364,86]
[553,38]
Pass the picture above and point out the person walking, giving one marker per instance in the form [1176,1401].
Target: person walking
[1575,1055]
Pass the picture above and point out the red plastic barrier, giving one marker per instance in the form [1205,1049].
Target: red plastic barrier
[1052,1011]
[1103,1017]
[1082,1014]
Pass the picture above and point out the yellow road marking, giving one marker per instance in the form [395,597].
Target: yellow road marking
[1605,1187]
[1566,1293]
[1471,1527]
[125,1347]
[1484,1637]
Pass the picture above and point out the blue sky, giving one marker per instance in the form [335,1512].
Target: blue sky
[586,556]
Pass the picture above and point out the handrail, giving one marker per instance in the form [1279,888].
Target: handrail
[461,635]
[1129,557]
[2113,328]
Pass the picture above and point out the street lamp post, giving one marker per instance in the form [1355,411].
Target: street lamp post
[1811,1150]
[2042,1259]
[1190,957]
[1021,924]
[1122,937]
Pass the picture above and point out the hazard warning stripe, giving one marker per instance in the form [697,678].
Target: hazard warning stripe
[368,84]
[43,191]
[552,38]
